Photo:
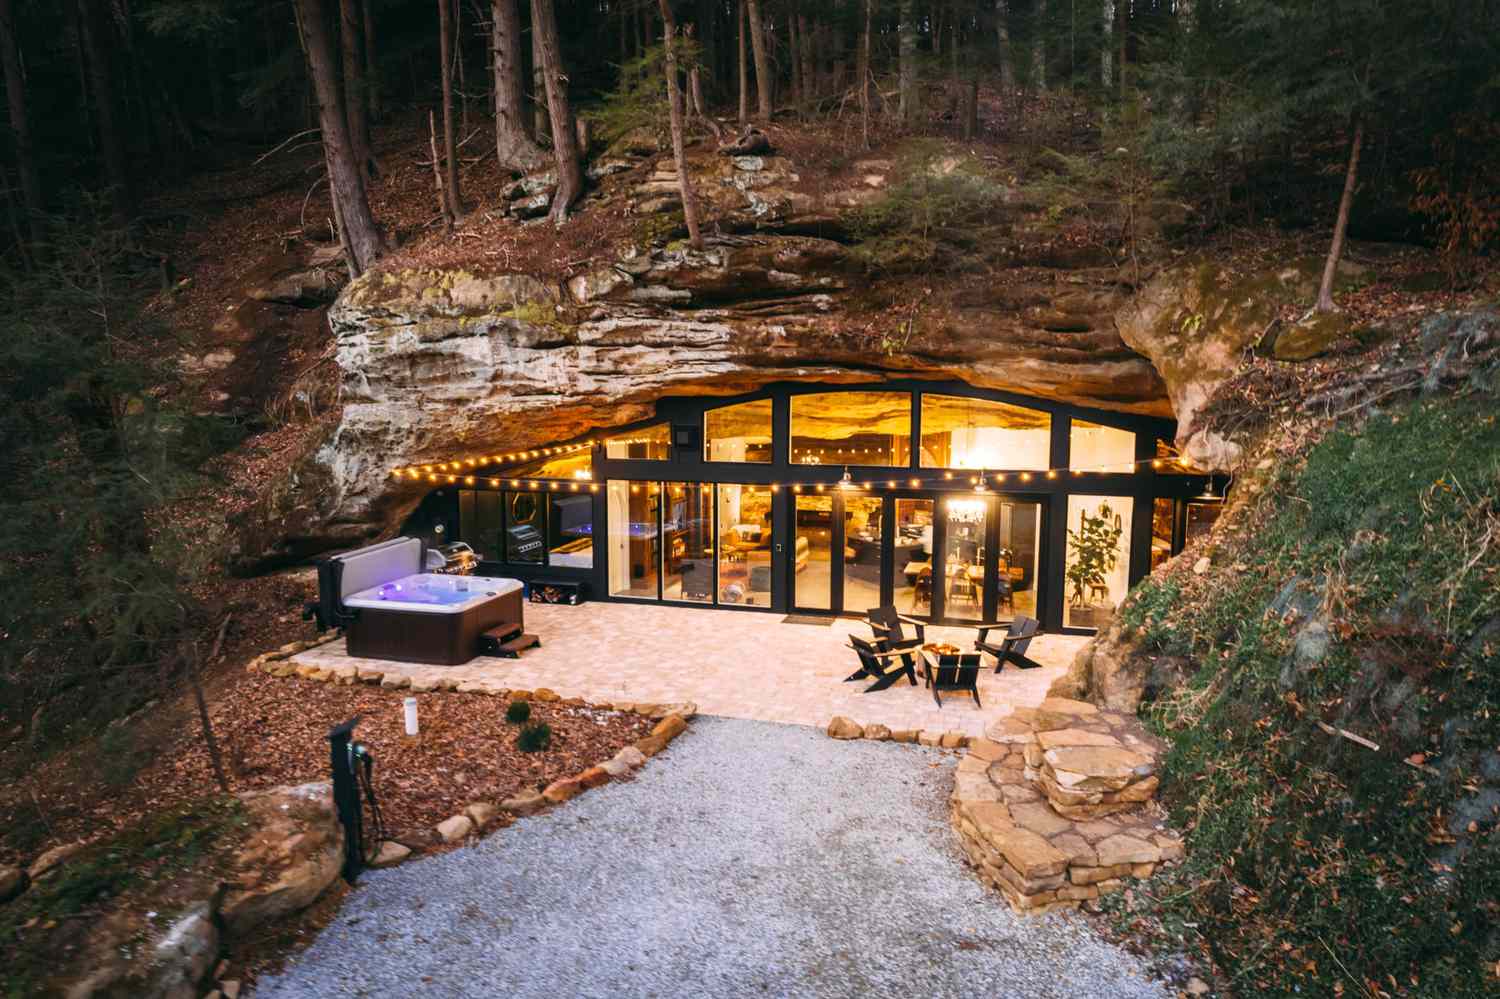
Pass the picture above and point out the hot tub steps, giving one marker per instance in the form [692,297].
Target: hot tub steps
[507,641]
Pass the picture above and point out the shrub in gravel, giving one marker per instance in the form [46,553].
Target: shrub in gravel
[534,738]
[518,712]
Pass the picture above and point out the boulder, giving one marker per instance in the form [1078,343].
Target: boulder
[844,728]
[563,790]
[184,954]
[455,828]
[669,727]
[307,288]
[524,804]
[631,757]
[390,854]
[481,813]
[877,732]
[293,852]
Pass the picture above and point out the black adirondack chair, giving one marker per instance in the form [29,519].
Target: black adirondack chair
[959,671]
[1012,646]
[890,625]
[884,666]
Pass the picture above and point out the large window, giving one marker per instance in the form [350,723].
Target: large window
[1097,569]
[687,531]
[738,433]
[530,526]
[634,548]
[1097,448]
[973,433]
[653,443]
[851,428]
[744,520]
[570,530]
[525,526]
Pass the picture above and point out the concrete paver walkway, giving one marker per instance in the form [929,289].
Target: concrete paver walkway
[731,663]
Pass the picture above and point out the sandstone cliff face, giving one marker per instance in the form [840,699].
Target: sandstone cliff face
[436,363]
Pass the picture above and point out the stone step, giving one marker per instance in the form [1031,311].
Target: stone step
[1073,779]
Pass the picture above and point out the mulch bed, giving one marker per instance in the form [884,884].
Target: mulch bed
[274,731]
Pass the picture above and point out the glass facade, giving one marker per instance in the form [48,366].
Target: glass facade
[1097,567]
[958,432]
[653,443]
[746,530]
[1018,558]
[634,550]
[863,547]
[738,433]
[912,582]
[747,518]
[813,547]
[1097,448]
[851,428]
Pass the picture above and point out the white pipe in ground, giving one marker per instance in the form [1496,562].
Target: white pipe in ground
[411,715]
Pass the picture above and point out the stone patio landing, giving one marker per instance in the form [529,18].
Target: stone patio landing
[1055,806]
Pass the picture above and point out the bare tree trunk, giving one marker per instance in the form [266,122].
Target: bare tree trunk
[864,73]
[345,179]
[1106,49]
[540,122]
[458,62]
[1007,58]
[1039,46]
[744,118]
[98,44]
[803,51]
[1122,27]
[1346,201]
[437,172]
[445,54]
[356,94]
[764,82]
[514,147]
[906,32]
[20,122]
[674,101]
[796,61]
[372,70]
[564,139]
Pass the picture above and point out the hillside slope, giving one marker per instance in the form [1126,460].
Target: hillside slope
[1327,669]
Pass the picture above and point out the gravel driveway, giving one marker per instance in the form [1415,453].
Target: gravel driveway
[748,859]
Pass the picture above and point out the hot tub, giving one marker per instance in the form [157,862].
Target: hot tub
[429,618]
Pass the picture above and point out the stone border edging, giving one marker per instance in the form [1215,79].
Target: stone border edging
[671,721]
[841,727]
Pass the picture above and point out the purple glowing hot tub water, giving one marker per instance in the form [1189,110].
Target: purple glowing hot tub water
[431,593]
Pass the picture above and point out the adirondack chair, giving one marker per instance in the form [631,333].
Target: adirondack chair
[884,666]
[888,624]
[1012,646]
[958,671]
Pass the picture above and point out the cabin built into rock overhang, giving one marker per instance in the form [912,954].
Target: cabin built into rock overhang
[951,503]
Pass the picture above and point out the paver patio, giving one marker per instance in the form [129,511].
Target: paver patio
[730,663]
